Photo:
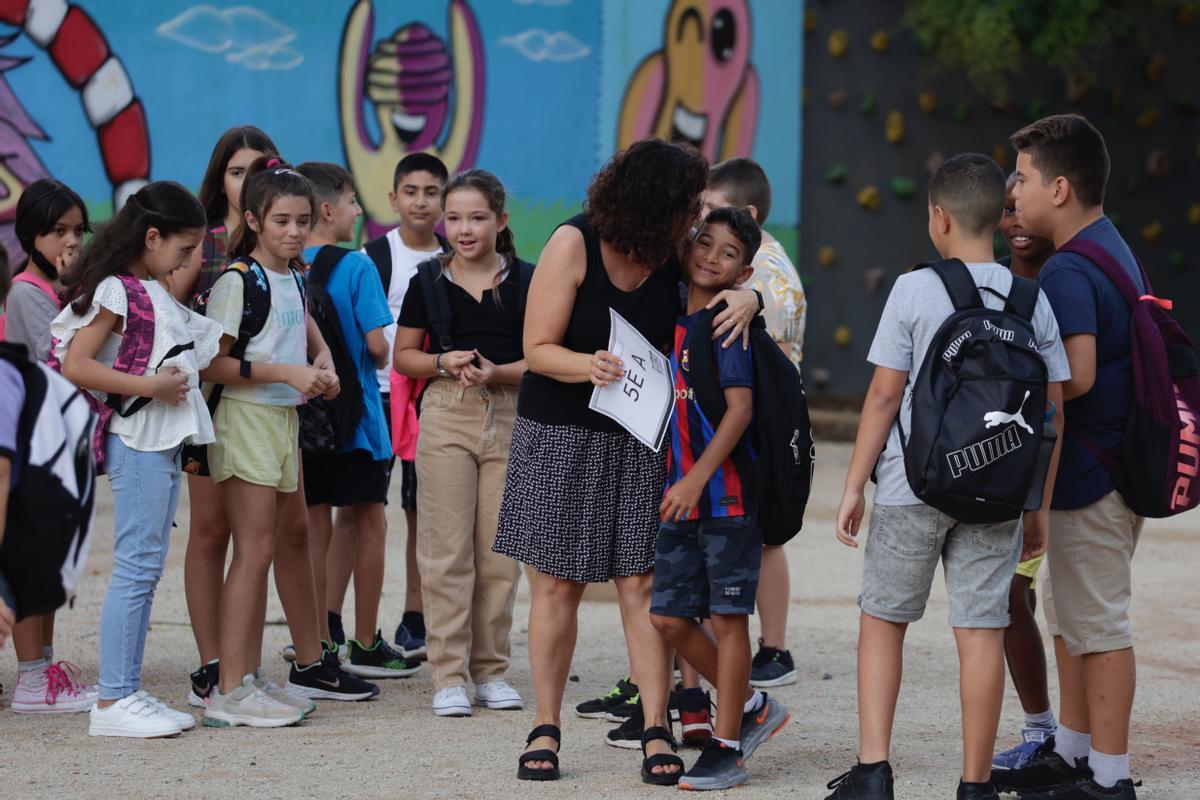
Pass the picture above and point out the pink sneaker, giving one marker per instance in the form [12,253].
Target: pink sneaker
[53,690]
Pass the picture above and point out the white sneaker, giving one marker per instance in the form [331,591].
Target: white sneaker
[184,720]
[248,705]
[274,691]
[53,690]
[133,716]
[497,694]
[452,702]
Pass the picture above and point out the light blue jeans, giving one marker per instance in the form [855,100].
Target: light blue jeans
[145,488]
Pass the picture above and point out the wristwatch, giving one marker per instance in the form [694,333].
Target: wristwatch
[441,371]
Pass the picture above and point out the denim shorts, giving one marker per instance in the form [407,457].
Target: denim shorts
[903,549]
[707,566]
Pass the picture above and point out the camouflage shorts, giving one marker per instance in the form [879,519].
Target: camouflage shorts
[707,566]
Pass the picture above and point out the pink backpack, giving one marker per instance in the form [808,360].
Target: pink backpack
[33,280]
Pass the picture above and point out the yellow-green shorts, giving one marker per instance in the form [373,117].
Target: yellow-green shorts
[255,443]
[1030,569]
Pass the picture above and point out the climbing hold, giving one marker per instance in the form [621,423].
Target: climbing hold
[904,188]
[836,99]
[841,336]
[874,278]
[820,376]
[880,41]
[962,111]
[893,129]
[1147,120]
[839,43]
[827,256]
[810,20]
[1176,260]
[935,160]
[1077,91]
[1002,155]
[927,102]
[868,103]
[1155,68]
[1152,233]
[1158,163]
[869,198]
[1194,214]
[835,175]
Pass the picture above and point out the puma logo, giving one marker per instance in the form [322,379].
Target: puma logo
[993,419]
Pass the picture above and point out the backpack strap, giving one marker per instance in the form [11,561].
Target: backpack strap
[1022,298]
[443,242]
[326,259]
[133,357]
[1110,267]
[959,284]
[523,291]
[256,307]
[26,276]
[706,387]
[379,250]
[437,303]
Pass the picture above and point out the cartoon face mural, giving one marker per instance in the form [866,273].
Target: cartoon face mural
[701,87]
[409,78]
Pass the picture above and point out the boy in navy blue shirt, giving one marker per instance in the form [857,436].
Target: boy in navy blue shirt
[709,549]
[1062,168]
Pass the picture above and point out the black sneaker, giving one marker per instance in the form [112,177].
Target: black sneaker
[628,735]
[378,661]
[599,707]
[625,709]
[718,767]
[761,724]
[336,632]
[772,667]
[864,782]
[977,791]
[1045,771]
[1089,790]
[204,680]
[325,680]
[410,636]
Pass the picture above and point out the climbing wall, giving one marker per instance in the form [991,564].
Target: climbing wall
[879,117]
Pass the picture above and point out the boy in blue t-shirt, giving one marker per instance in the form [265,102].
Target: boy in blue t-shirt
[1062,169]
[709,549]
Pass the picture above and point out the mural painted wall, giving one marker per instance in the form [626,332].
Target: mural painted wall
[106,94]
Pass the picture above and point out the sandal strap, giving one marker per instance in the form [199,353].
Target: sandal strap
[662,760]
[552,731]
[657,733]
[539,755]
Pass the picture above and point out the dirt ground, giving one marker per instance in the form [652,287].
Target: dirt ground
[396,747]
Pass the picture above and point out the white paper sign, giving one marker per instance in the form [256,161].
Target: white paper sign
[642,401]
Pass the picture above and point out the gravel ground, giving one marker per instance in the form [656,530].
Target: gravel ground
[396,747]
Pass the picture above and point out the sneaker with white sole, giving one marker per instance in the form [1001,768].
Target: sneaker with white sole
[204,681]
[498,695]
[452,702]
[248,705]
[53,690]
[274,691]
[326,680]
[184,720]
[134,717]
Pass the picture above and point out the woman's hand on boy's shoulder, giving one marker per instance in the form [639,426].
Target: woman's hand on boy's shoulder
[734,321]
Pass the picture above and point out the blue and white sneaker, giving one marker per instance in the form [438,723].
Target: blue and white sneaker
[1016,757]
[410,636]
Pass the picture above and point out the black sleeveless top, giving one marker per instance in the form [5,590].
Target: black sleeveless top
[651,308]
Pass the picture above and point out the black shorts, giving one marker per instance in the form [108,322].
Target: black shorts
[705,567]
[345,479]
[408,469]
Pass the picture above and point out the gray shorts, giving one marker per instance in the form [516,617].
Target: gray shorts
[903,549]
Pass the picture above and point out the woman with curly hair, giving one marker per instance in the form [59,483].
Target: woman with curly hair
[582,495]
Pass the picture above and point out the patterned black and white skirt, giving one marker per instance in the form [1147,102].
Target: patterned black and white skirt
[579,504]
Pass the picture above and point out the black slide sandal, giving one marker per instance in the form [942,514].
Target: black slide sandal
[525,773]
[660,760]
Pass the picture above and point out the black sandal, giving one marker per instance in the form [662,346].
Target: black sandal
[525,773]
[660,760]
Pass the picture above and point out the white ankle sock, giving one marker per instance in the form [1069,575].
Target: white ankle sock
[1106,769]
[1071,745]
[732,744]
[1042,720]
[754,703]
[32,666]
[48,653]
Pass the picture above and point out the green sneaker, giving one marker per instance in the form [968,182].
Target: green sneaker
[378,661]
[599,707]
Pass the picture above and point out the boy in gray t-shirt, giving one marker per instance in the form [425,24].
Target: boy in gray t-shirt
[909,538]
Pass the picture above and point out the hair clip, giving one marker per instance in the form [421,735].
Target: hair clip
[271,162]
[286,171]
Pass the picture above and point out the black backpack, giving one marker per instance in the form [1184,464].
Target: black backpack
[48,524]
[778,473]
[380,251]
[978,404]
[437,301]
[327,426]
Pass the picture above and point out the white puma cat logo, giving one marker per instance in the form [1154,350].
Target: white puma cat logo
[994,418]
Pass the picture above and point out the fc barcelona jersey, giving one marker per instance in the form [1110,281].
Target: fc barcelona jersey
[691,431]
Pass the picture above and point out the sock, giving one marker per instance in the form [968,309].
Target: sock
[415,622]
[1106,769]
[48,653]
[1042,720]
[754,703]
[214,661]
[732,744]
[32,666]
[1071,745]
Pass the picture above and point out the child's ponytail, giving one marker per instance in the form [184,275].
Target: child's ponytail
[267,179]
[164,205]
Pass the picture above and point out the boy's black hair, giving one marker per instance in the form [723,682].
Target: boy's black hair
[1070,146]
[420,162]
[743,181]
[329,180]
[742,225]
[971,187]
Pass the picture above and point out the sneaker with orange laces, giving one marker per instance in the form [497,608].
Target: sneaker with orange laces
[53,690]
